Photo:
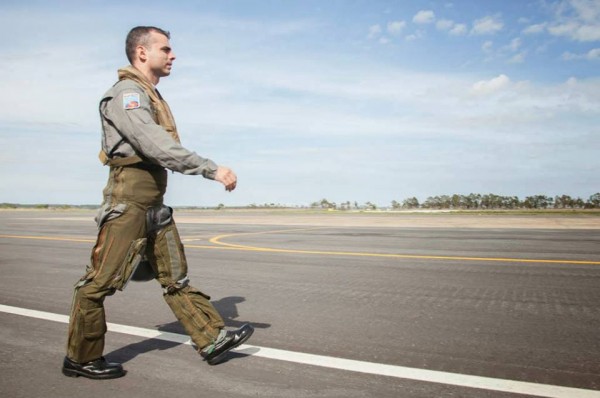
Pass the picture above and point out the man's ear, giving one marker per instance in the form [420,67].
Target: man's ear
[141,53]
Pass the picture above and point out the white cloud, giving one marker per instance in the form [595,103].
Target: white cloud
[515,44]
[418,34]
[565,29]
[577,20]
[572,81]
[395,27]
[444,24]
[512,51]
[484,87]
[523,20]
[517,58]
[374,31]
[487,46]
[534,29]
[454,29]
[593,54]
[588,33]
[587,10]
[458,29]
[576,31]
[487,25]
[424,17]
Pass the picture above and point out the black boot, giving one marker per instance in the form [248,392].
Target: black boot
[233,338]
[97,369]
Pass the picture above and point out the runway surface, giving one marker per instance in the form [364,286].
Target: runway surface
[353,306]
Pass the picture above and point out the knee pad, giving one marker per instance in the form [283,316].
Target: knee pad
[167,255]
[157,218]
[144,272]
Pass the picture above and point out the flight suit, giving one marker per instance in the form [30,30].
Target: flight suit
[139,143]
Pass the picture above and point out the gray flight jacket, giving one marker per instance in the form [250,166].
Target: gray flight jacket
[131,130]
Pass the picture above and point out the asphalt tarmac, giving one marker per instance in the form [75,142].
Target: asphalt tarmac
[382,309]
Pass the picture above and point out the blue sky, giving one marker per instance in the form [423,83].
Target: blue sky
[345,100]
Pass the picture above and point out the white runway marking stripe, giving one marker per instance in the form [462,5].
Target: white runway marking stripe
[456,379]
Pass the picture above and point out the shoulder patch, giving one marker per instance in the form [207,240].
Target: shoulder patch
[131,100]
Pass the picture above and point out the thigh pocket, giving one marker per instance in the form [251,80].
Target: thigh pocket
[130,263]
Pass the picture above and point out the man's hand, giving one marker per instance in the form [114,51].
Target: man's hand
[226,177]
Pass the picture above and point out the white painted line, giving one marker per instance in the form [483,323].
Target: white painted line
[432,376]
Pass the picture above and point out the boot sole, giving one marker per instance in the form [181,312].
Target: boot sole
[75,373]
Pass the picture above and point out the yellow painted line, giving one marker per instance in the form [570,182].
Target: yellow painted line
[229,246]
[217,241]
[55,238]
[68,239]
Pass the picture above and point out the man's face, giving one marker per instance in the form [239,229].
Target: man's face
[160,55]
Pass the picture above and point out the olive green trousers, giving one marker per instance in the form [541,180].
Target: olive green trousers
[124,237]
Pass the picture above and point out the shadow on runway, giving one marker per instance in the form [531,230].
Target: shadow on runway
[227,307]
[127,353]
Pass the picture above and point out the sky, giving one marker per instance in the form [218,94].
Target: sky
[345,100]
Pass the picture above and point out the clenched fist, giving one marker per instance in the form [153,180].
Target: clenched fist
[226,177]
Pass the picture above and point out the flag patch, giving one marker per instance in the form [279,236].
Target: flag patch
[131,100]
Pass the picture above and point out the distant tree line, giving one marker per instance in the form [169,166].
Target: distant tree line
[492,201]
[45,206]
[475,202]
[442,202]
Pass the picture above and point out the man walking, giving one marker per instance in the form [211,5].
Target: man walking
[139,143]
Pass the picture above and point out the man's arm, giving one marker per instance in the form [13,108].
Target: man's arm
[149,139]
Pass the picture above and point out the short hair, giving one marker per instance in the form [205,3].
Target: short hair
[140,36]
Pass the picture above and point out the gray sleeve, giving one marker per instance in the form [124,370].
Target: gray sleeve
[149,139]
